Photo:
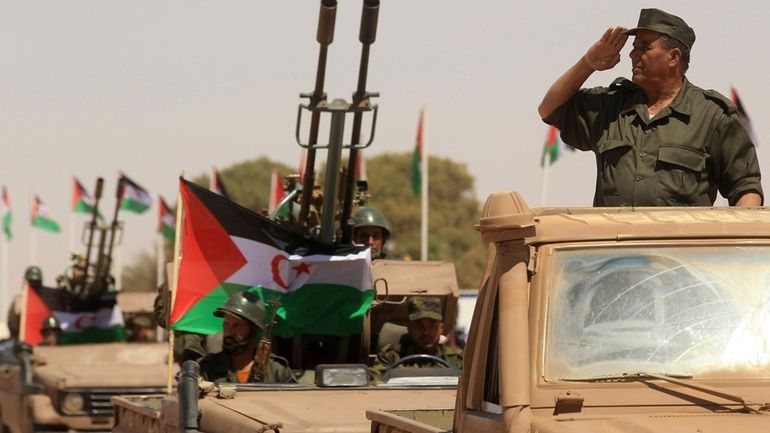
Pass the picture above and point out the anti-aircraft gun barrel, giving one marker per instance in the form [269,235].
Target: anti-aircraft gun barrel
[93,224]
[105,251]
[367,36]
[324,36]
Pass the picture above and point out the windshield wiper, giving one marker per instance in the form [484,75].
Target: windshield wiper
[630,377]
[672,378]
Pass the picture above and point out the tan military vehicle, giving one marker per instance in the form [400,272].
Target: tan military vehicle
[328,397]
[68,388]
[614,320]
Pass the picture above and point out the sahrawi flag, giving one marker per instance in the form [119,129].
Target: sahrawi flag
[166,221]
[216,184]
[86,320]
[41,218]
[227,248]
[7,217]
[553,146]
[135,198]
[82,202]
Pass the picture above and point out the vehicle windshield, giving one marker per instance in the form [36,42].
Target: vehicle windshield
[695,310]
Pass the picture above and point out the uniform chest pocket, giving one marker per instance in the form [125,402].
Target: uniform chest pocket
[614,171]
[681,172]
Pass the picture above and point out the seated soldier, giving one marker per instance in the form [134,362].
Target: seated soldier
[244,317]
[372,229]
[424,332]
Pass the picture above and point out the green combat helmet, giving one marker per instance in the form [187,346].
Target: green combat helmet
[371,217]
[51,323]
[33,274]
[246,305]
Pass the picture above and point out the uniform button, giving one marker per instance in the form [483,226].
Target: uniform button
[638,177]
[647,130]
[642,154]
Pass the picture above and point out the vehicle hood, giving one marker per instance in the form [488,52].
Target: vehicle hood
[107,365]
[657,423]
[314,410]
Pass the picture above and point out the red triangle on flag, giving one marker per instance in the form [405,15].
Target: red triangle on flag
[34,313]
[209,256]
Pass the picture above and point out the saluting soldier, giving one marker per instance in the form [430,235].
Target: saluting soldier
[244,322]
[659,140]
[426,324]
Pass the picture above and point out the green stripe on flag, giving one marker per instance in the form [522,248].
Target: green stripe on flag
[168,233]
[7,220]
[132,205]
[46,224]
[94,334]
[325,309]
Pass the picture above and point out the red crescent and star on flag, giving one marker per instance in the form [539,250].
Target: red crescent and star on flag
[301,268]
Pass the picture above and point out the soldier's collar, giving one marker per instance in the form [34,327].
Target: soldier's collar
[681,104]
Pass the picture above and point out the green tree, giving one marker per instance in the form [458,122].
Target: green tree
[248,183]
[141,274]
[453,209]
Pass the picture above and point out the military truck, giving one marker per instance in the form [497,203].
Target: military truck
[614,319]
[330,397]
[68,387]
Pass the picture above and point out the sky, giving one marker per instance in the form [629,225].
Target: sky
[159,88]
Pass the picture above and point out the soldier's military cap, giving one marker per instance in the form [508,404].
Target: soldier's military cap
[424,307]
[666,24]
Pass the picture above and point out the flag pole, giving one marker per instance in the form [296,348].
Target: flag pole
[172,286]
[71,237]
[160,258]
[544,180]
[32,237]
[4,244]
[424,194]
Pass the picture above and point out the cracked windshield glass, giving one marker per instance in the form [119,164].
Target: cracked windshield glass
[696,310]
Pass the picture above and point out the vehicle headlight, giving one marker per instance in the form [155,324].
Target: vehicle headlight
[72,403]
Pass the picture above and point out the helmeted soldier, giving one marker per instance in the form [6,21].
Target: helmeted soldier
[423,337]
[34,276]
[50,331]
[371,228]
[244,322]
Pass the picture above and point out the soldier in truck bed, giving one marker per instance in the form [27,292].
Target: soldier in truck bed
[423,337]
[659,140]
[244,322]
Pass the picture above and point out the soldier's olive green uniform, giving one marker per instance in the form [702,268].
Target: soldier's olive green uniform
[390,353]
[420,307]
[681,157]
[216,366]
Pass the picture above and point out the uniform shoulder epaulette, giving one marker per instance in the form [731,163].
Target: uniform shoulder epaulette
[725,104]
[623,83]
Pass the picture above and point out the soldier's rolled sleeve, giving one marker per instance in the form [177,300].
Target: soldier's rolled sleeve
[576,118]
[737,164]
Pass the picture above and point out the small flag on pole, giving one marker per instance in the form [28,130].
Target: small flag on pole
[276,190]
[82,202]
[135,198]
[743,115]
[166,221]
[552,147]
[216,185]
[7,217]
[417,159]
[41,217]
